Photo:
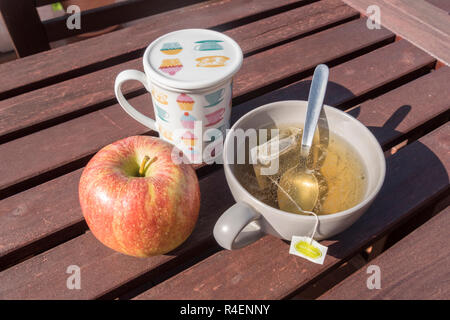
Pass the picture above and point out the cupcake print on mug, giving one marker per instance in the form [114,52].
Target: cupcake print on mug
[159,96]
[171,66]
[189,74]
[185,102]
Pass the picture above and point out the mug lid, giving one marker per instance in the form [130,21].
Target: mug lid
[192,59]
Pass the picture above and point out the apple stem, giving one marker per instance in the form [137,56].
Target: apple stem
[142,168]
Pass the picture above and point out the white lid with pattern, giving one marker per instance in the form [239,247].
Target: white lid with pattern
[192,59]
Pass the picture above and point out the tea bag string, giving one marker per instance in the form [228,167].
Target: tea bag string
[299,208]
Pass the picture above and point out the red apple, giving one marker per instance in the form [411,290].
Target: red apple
[136,200]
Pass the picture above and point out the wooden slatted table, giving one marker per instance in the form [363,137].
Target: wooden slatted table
[58,109]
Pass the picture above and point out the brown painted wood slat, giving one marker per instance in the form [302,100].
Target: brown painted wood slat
[62,63]
[441,4]
[50,266]
[35,109]
[109,15]
[24,27]
[346,81]
[417,267]
[104,269]
[415,174]
[418,21]
[73,140]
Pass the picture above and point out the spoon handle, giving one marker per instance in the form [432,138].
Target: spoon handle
[315,103]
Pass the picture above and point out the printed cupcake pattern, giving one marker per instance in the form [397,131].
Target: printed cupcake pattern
[187,121]
[189,139]
[171,48]
[171,66]
[185,102]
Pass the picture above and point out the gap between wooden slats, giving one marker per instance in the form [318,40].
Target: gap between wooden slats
[49,106]
[350,80]
[411,183]
[152,275]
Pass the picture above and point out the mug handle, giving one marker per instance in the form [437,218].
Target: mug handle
[228,229]
[136,115]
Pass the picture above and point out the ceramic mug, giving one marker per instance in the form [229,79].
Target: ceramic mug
[249,219]
[188,99]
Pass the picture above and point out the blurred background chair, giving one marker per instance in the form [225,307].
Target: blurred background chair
[31,33]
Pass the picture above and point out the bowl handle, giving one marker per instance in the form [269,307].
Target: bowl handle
[229,232]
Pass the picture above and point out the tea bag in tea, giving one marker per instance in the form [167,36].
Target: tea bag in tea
[272,158]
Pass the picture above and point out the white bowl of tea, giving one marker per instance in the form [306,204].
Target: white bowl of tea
[346,158]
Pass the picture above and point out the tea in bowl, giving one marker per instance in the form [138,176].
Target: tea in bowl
[342,143]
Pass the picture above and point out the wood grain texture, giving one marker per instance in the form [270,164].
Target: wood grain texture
[39,108]
[75,139]
[417,267]
[415,175]
[418,21]
[64,62]
[59,257]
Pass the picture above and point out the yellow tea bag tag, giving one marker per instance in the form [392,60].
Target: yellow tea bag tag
[309,249]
